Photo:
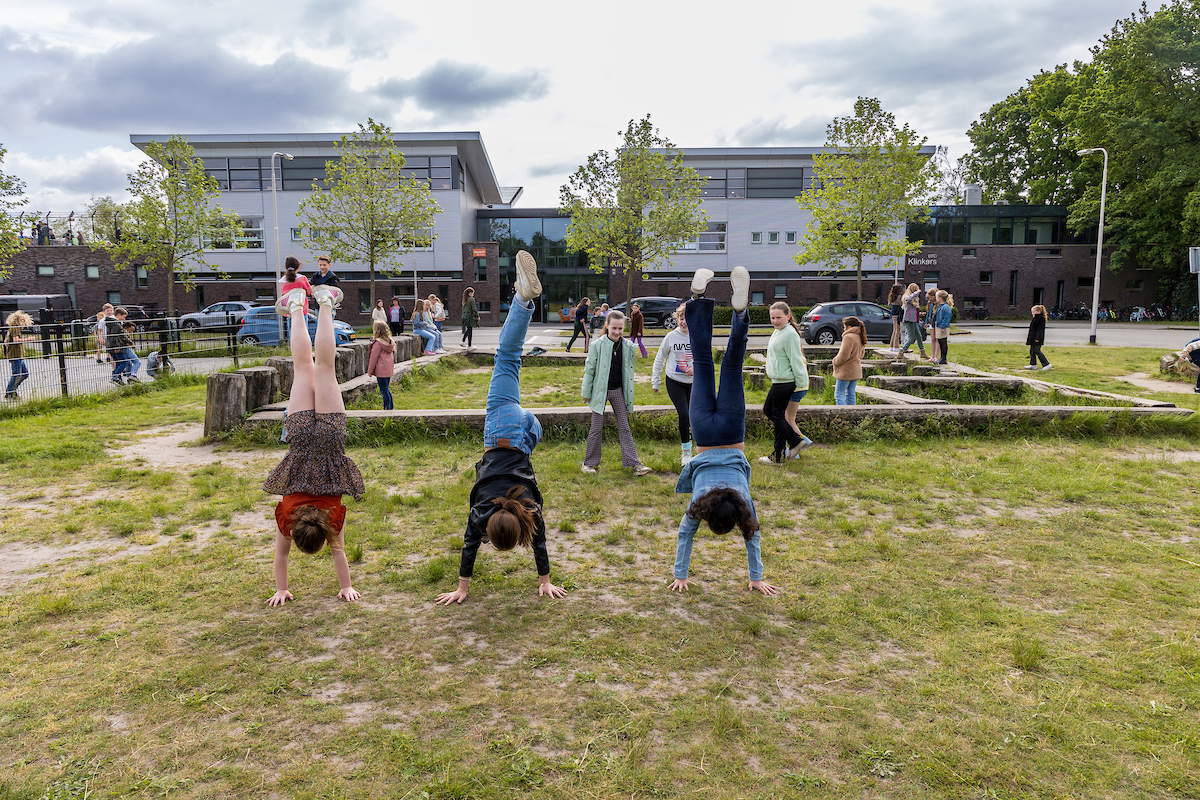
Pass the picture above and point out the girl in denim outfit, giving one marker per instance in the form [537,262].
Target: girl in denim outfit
[718,477]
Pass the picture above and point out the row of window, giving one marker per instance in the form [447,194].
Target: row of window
[421,240]
[994,230]
[780,182]
[756,237]
[91,272]
[298,174]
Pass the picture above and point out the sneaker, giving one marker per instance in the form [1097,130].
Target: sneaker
[528,285]
[642,469]
[684,458]
[327,296]
[132,379]
[1046,367]
[740,279]
[700,281]
[429,353]
[768,460]
[290,301]
[1029,366]
[795,451]
[1196,390]
[586,470]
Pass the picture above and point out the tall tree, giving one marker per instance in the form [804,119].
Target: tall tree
[871,178]
[636,207]
[173,219]
[12,192]
[101,220]
[372,212]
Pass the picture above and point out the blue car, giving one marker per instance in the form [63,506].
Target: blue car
[259,326]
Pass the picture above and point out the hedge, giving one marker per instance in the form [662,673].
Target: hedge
[759,315]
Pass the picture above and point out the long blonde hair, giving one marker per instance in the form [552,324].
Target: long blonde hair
[381,332]
[16,321]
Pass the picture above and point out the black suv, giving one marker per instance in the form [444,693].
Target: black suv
[823,322]
[657,312]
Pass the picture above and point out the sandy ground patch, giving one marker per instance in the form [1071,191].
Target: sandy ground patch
[1169,456]
[24,563]
[1153,384]
[165,448]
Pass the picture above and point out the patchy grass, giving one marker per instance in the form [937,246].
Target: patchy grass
[1008,617]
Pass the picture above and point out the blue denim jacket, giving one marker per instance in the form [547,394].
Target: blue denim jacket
[727,467]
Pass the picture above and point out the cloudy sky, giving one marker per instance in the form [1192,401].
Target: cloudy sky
[546,83]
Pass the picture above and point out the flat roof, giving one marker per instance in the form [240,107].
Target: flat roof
[764,153]
[467,144]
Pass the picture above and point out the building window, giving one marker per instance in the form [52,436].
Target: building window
[364,301]
[756,299]
[484,306]
[662,290]
[932,275]
[421,239]
[113,297]
[833,292]
[91,272]
[1134,285]
[70,291]
[968,252]
[1039,295]
[985,277]
[1012,288]
[1048,253]
[262,293]
[712,240]
[773,237]
[789,237]
[1086,283]
[143,278]
[774,182]
[781,291]
[480,270]
[756,237]
[975,302]
[45,271]
[296,234]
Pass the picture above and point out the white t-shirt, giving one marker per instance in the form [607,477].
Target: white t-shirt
[674,356]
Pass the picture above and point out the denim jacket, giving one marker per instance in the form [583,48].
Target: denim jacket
[722,467]
[941,317]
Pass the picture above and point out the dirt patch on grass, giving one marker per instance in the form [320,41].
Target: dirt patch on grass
[1146,382]
[1169,456]
[165,448]
[24,563]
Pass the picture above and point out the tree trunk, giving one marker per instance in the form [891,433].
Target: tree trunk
[170,292]
[859,275]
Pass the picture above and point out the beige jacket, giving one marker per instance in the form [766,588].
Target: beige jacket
[847,364]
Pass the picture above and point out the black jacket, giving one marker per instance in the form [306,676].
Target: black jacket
[495,474]
[1037,331]
[328,279]
[115,337]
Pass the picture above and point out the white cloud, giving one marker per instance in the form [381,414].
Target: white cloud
[62,183]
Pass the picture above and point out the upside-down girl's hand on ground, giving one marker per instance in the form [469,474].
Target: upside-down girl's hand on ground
[679,585]
[764,587]
[446,598]
[279,598]
[550,589]
[349,593]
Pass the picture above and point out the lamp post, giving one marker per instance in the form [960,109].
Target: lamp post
[1099,239]
[275,209]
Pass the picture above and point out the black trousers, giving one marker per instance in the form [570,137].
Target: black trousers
[468,333]
[681,395]
[1035,355]
[775,408]
[580,327]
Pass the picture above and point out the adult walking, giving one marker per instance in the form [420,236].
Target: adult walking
[674,360]
[582,317]
[1037,337]
[637,328]
[847,364]
[470,316]
[608,379]
[788,372]
[912,316]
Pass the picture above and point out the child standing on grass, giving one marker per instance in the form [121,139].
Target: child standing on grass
[1037,337]
[316,472]
[847,364]
[14,351]
[941,323]
[674,360]
[506,504]
[608,379]
[718,477]
[788,372]
[381,362]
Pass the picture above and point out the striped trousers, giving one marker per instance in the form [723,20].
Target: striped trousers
[629,456]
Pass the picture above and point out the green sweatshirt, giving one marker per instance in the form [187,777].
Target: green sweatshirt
[785,358]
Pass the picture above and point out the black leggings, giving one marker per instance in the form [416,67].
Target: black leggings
[944,344]
[468,333]
[1035,355]
[681,395]
[580,327]
[775,408]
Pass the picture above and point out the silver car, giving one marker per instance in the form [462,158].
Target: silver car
[823,322]
[229,312]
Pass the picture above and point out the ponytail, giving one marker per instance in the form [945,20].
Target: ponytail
[291,264]
[514,522]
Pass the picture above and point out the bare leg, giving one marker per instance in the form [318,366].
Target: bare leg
[789,415]
[303,380]
[328,396]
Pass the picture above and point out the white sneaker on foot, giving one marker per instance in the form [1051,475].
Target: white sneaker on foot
[1029,366]
[740,279]
[328,296]
[528,285]
[700,281]
[586,470]
[768,460]
[1046,367]
[684,458]
[805,442]
[290,301]
[641,469]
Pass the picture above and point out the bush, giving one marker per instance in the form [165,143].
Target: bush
[759,315]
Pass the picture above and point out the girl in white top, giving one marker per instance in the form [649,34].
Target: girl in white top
[437,311]
[378,314]
[675,354]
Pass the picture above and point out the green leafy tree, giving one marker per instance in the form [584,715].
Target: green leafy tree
[371,212]
[873,177]
[101,221]
[636,207]
[12,192]
[173,220]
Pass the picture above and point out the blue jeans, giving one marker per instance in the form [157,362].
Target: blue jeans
[20,373]
[718,416]
[427,336]
[506,423]
[127,363]
[843,392]
[385,391]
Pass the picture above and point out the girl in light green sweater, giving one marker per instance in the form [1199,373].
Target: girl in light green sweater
[788,372]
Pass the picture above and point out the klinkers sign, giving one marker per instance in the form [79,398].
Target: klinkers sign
[922,260]
[478,252]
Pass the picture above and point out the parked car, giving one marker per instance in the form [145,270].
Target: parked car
[823,322]
[259,326]
[217,315]
[656,312]
[145,319]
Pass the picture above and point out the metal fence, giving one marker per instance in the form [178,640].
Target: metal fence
[65,359]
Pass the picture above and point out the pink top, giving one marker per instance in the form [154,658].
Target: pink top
[381,363]
[301,282]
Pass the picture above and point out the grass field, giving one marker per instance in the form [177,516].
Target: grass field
[1005,617]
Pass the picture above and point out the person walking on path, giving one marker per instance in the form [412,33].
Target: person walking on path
[582,317]
[674,359]
[506,504]
[894,297]
[608,378]
[788,372]
[637,328]
[718,477]
[941,323]
[1037,337]
[316,471]
[381,361]
[912,316]
[847,364]
[470,316]
[14,350]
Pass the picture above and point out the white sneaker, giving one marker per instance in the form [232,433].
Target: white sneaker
[1029,366]
[700,281]
[528,285]
[684,458]
[740,279]
[795,451]
[290,301]
[1046,367]
[586,470]
[328,296]
[642,469]
[768,460]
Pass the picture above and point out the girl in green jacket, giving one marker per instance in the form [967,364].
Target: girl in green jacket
[608,378]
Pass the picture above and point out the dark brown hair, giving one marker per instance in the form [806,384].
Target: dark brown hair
[311,528]
[857,325]
[468,292]
[514,522]
[895,294]
[291,264]
[723,508]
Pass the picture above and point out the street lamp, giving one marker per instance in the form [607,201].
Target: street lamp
[275,208]
[1099,239]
